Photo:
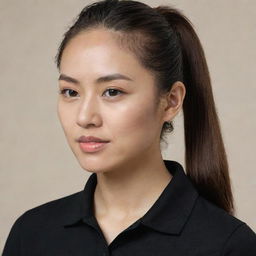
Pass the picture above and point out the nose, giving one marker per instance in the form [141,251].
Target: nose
[88,113]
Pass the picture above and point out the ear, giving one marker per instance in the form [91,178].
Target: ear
[173,101]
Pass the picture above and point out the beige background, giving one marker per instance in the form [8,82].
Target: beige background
[36,163]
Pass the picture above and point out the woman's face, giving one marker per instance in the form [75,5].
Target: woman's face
[121,111]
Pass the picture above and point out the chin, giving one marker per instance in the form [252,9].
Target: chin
[92,165]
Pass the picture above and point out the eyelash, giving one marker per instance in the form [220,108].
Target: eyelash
[64,90]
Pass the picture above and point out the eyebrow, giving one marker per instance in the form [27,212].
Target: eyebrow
[107,78]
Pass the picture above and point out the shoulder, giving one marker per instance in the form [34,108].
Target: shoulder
[209,213]
[40,218]
[229,233]
[242,241]
[51,212]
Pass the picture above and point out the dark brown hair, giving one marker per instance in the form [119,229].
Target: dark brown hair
[164,42]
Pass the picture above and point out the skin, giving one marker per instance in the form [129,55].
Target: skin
[131,163]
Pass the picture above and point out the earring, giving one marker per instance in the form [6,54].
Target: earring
[168,125]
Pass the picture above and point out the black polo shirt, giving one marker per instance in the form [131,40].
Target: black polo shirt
[180,223]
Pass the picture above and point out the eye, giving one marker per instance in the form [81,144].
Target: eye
[72,92]
[69,93]
[112,92]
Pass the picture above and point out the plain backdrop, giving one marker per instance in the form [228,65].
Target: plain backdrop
[37,164]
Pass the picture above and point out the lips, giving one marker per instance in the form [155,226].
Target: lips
[89,147]
[86,139]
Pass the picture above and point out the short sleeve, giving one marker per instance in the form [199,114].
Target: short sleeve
[241,242]
[12,244]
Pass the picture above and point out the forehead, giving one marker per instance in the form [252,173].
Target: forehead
[95,45]
[97,51]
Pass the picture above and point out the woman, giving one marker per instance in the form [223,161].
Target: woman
[126,71]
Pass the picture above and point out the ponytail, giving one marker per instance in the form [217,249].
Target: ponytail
[205,156]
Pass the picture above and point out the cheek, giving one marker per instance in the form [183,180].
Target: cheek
[65,116]
[137,121]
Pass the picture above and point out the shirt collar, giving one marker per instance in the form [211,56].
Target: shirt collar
[168,214]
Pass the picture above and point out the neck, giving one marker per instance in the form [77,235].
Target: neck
[132,190]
